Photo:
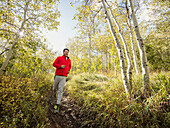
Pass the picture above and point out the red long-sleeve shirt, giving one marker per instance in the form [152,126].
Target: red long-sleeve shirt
[61,60]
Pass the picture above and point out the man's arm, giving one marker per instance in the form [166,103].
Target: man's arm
[56,63]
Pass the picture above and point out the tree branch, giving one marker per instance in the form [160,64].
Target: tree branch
[1,29]
[13,25]
[4,51]
[25,15]
[138,6]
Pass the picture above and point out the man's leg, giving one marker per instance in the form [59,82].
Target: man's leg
[60,92]
[55,85]
[60,89]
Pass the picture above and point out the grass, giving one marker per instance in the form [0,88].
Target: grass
[103,100]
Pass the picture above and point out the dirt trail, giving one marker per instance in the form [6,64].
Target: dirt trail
[69,115]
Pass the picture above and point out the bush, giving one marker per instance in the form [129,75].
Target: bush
[23,101]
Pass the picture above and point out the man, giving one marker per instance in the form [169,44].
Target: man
[63,66]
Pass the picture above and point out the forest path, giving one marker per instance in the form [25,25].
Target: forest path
[69,115]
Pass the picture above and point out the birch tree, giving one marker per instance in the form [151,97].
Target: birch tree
[141,46]
[120,51]
[16,39]
[128,57]
[26,17]
[135,59]
[88,27]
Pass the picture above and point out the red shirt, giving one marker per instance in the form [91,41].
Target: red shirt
[61,60]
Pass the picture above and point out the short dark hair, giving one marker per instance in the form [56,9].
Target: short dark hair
[65,49]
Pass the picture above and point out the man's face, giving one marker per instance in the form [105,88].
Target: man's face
[66,52]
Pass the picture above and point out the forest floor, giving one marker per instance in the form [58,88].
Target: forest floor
[69,115]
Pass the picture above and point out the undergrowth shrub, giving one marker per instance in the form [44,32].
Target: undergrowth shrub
[103,101]
[23,101]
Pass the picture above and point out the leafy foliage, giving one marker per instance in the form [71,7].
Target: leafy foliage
[158,53]
[22,23]
[23,101]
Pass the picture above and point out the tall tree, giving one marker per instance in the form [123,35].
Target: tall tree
[27,17]
[144,64]
[135,59]
[128,57]
[120,51]
[88,27]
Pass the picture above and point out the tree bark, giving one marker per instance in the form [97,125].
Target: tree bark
[4,51]
[128,57]
[97,62]
[3,67]
[89,68]
[145,72]
[132,42]
[106,62]
[102,61]
[115,65]
[109,61]
[134,51]
[120,51]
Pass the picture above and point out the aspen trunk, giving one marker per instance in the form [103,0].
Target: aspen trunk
[89,68]
[132,42]
[109,61]
[102,61]
[145,72]
[34,64]
[128,57]
[106,63]
[97,62]
[80,64]
[115,65]
[9,55]
[81,60]
[134,51]
[120,51]
[42,69]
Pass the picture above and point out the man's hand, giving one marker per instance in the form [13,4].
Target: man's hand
[62,66]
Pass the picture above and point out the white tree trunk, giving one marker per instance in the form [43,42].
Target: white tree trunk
[3,67]
[89,68]
[102,61]
[109,61]
[132,42]
[115,65]
[143,57]
[97,62]
[120,51]
[106,62]
[128,57]
[134,51]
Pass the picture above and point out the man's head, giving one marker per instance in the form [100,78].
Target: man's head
[66,51]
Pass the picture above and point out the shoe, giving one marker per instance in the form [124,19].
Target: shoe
[56,108]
